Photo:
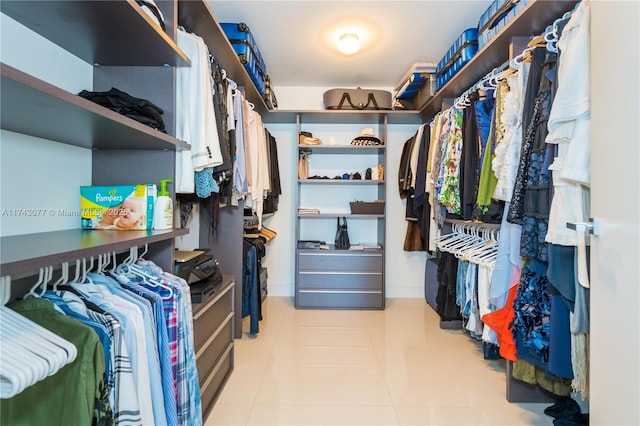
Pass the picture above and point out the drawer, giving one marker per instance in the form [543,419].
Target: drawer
[209,318]
[339,299]
[339,280]
[208,355]
[213,383]
[343,262]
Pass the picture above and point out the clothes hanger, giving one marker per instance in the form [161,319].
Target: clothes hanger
[32,292]
[64,276]
[129,266]
[124,265]
[146,250]
[463,236]
[488,247]
[467,251]
[151,280]
[41,351]
[18,369]
[537,41]
[444,237]
[466,237]
[13,376]
[85,278]
[26,335]
[103,261]
[464,245]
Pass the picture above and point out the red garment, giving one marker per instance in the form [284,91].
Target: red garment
[499,321]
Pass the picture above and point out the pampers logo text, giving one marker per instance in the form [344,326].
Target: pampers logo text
[109,198]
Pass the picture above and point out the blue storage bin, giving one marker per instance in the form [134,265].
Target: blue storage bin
[495,18]
[246,47]
[460,52]
[416,81]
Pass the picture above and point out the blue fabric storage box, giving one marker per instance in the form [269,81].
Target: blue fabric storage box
[460,52]
[496,17]
[246,47]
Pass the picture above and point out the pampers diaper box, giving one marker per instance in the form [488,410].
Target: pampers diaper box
[118,207]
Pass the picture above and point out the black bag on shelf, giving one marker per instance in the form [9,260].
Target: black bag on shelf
[342,235]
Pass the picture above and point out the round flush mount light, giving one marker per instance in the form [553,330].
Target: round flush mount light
[349,43]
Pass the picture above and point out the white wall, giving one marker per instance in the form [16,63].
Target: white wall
[37,174]
[404,270]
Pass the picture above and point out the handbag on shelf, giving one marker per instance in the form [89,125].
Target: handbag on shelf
[342,235]
[303,165]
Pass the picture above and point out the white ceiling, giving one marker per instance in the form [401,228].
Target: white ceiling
[297,38]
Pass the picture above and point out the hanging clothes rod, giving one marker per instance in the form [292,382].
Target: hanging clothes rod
[473,223]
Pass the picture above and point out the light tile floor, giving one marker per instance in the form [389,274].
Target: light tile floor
[348,367]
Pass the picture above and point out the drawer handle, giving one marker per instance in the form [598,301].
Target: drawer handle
[342,291]
[341,254]
[338,273]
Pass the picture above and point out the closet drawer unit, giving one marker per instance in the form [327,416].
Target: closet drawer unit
[338,280]
[209,317]
[213,383]
[210,353]
[347,261]
[340,299]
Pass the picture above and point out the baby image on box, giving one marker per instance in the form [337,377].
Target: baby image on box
[131,214]
[128,207]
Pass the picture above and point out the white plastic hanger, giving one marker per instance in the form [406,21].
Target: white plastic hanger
[64,276]
[32,292]
[464,251]
[28,351]
[444,237]
[487,250]
[466,236]
[129,266]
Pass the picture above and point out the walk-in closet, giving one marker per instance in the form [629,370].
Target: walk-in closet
[238,212]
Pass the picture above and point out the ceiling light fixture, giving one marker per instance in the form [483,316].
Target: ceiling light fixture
[349,43]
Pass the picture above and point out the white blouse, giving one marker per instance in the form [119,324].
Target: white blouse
[195,114]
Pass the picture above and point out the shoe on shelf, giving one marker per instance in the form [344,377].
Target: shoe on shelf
[306,138]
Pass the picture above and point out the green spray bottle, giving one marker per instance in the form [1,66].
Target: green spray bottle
[163,209]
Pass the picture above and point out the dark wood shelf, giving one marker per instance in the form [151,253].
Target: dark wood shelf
[108,33]
[372,117]
[533,20]
[332,251]
[340,182]
[23,253]
[343,149]
[338,214]
[34,107]
[196,17]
